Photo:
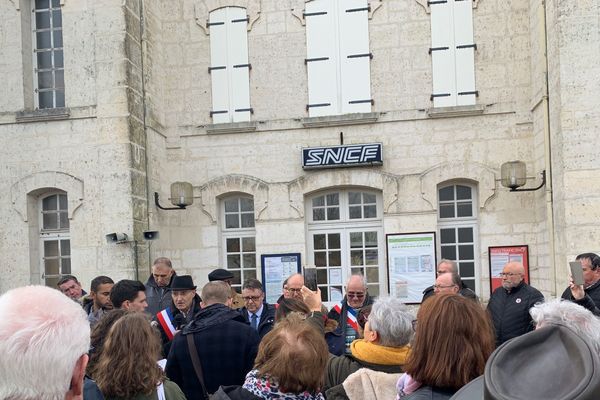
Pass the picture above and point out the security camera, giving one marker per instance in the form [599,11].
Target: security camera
[151,235]
[116,237]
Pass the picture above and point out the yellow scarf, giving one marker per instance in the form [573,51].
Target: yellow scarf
[381,355]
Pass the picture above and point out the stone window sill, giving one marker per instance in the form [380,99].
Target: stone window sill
[46,114]
[458,111]
[233,127]
[339,120]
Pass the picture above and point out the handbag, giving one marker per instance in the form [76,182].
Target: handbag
[197,366]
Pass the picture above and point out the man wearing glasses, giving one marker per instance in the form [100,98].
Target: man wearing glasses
[256,312]
[509,305]
[444,267]
[588,294]
[345,314]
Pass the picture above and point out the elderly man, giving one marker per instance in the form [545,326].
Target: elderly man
[223,275]
[158,286]
[219,339]
[292,288]
[129,295]
[346,313]
[186,304]
[44,341]
[70,286]
[259,314]
[384,347]
[509,305]
[447,283]
[449,266]
[98,302]
[588,294]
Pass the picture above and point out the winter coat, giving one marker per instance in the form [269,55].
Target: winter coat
[158,298]
[92,392]
[430,393]
[591,301]
[510,311]
[226,347]
[336,340]
[267,319]
[179,321]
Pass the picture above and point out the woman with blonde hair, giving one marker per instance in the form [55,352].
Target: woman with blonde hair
[127,367]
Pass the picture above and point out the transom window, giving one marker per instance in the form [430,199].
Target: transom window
[48,53]
[345,205]
[239,238]
[456,201]
[55,238]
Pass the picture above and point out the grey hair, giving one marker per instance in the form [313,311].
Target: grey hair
[392,321]
[561,312]
[450,262]
[362,279]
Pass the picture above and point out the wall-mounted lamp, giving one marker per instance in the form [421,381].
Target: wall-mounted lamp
[182,195]
[513,175]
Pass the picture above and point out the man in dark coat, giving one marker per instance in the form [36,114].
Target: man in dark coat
[346,313]
[449,266]
[509,305]
[226,345]
[158,286]
[256,312]
[588,294]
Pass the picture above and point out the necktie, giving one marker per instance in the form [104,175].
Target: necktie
[254,321]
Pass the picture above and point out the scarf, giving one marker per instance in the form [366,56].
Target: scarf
[380,355]
[266,388]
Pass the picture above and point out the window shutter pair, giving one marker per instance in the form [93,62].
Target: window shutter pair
[452,53]
[338,57]
[229,70]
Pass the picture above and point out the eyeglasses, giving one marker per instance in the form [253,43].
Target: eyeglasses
[357,295]
[436,286]
[248,298]
[292,290]
[508,274]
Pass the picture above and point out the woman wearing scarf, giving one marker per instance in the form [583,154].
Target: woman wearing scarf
[384,347]
[289,365]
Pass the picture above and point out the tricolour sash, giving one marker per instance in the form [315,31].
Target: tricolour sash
[165,318]
[350,315]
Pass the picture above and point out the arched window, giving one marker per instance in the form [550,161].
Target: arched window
[457,224]
[55,239]
[239,237]
[345,236]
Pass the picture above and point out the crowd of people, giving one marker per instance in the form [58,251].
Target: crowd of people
[166,340]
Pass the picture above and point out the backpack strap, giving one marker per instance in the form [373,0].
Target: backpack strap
[196,362]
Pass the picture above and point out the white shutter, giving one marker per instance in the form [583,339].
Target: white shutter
[442,53]
[239,69]
[355,57]
[321,58]
[465,52]
[218,66]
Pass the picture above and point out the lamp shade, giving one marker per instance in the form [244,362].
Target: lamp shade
[182,194]
[513,174]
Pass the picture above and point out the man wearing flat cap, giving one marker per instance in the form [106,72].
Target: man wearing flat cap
[185,304]
[221,274]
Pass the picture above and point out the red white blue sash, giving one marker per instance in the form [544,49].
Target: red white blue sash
[350,315]
[165,318]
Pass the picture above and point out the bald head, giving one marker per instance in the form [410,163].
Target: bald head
[512,275]
[356,291]
[291,290]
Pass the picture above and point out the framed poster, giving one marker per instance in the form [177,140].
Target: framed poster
[500,255]
[411,264]
[275,269]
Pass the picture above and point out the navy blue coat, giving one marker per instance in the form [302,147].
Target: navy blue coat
[226,345]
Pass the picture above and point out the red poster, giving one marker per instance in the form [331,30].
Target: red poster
[500,255]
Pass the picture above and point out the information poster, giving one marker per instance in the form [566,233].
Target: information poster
[500,255]
[276,268]
[411,264]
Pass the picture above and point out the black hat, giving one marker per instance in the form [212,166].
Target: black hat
[220,274]
[182,282]
[552,362]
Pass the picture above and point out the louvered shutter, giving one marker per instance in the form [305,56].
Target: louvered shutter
[238,66]
[218,66]
[442,54]
[465,52]
[355,58]
[321,58]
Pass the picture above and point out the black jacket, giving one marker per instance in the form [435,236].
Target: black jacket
[430,393]
[226,347]
[267,318]
[158,298]
[591,301]
[464,291]
[510,311]
[336,340]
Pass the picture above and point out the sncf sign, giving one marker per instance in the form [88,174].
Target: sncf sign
[342,156]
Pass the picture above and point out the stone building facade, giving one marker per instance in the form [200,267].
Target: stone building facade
[162,91]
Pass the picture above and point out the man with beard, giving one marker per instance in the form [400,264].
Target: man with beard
[98,302]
